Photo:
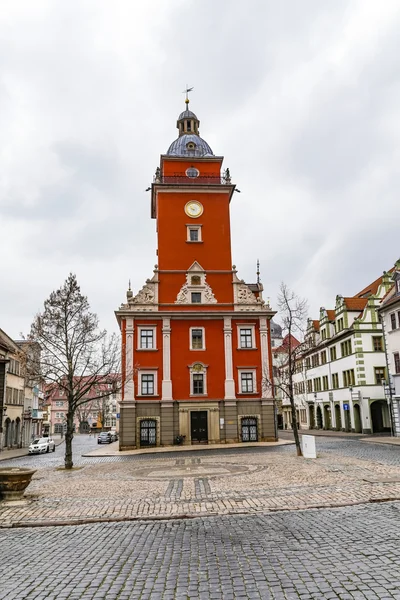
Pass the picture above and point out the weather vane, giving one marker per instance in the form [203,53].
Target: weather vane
[186,91]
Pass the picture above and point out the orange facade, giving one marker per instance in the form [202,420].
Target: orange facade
[195,339]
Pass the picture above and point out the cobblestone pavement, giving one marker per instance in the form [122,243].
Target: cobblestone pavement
[249,481]
[347,553]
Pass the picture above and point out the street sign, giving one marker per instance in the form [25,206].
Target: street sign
[346,407]
[117,415]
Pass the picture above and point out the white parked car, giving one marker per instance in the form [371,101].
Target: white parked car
[42,445]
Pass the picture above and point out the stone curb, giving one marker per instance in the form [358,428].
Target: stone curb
[170,449]
[185,516]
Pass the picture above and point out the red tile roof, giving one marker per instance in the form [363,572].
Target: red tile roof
[331,315]
[285,344]
[316,325]
[355,303]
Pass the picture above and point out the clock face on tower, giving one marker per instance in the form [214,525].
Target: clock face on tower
[194,209]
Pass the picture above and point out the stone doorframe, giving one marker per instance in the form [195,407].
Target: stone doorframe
[212,409]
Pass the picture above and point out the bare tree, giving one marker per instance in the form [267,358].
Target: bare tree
[293,311]
[76,355]
[82,412]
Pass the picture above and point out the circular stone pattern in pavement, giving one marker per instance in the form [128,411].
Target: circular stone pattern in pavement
[179,471]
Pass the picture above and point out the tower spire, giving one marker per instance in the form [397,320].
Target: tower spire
[258,271]
[186,91]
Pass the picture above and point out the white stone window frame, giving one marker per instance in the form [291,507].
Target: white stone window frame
[196,227]
[141,328]
[251,370]
[196,292]
[203,339]
[241,326]
[148,372]
[193,370]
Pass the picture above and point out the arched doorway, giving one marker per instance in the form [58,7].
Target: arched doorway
[249,429]
[148,432]
[338,418]
[380,416]
[319,418]
[327,417]
[357,418]
[311,415]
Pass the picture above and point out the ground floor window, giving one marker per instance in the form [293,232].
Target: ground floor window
[148,432]
[303,415]
[249,429]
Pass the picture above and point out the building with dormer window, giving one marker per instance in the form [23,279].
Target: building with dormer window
[340,381]
[196,339]
[390,317]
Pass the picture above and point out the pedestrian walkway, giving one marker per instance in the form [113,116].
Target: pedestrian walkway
[374,438]
[6,454]
[241,480]
[113,449]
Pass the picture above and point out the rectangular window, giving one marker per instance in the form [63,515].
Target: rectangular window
[308,363]
[323,332]
[348,378]
[147,388]
[380,375]
[197,339]
[147,338]
[333,353]
[246,383]
[315,360]
[317,384]
[377,343]
[196,297]
[309,386]
[193,233]
[396,357]
[335,381]
[325,382]
[323,357]
[246,338]
[346,348]
[198,383]
[393,320]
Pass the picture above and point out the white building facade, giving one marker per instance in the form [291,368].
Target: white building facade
[340,377]
[390,317]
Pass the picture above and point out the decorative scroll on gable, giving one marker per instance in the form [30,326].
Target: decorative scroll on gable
[244,299]
[195,282]
[146,300]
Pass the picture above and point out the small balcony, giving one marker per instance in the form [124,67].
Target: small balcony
[184,180]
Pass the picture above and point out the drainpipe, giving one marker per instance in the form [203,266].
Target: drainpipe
[389,392]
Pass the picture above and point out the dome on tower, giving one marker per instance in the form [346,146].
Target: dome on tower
[187,114]
[189,142]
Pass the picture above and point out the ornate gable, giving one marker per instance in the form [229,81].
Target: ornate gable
[195,283]
[244,299]
[146,300]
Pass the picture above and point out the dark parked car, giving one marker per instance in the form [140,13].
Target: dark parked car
[104,438]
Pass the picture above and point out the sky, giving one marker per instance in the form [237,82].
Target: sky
[301,98]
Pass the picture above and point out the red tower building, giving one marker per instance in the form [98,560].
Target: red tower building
[195,339]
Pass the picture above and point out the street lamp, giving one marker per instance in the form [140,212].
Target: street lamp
[388,390]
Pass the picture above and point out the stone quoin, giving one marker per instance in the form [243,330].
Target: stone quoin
[196,339]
